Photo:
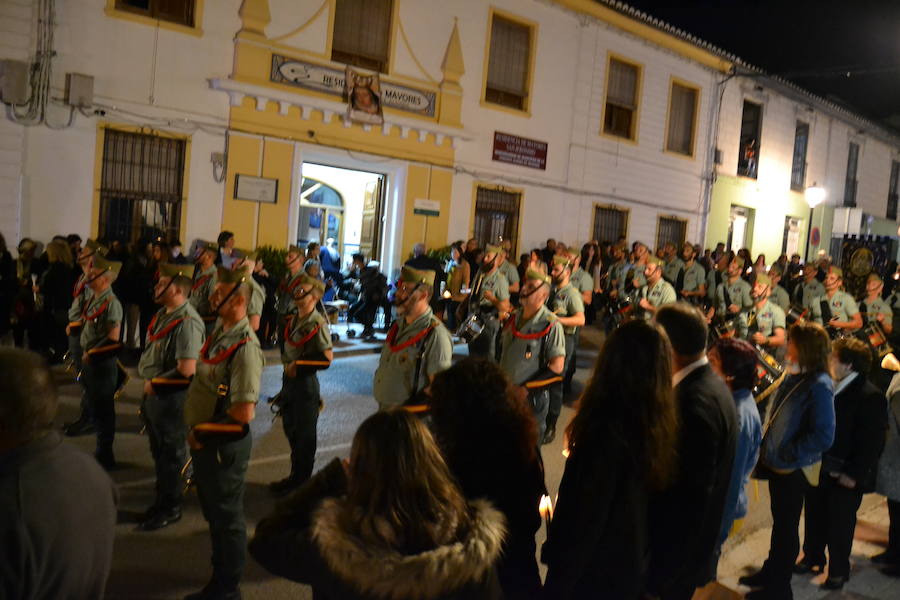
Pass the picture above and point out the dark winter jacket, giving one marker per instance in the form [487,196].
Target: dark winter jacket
[306,540]
[860,430]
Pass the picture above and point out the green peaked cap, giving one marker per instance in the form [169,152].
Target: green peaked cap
[225,275]
[410,275]
[100,262]
[176,270]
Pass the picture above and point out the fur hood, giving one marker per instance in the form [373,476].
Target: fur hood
[426,575]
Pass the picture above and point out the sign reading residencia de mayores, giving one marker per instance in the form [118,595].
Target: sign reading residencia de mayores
[521,151]
[331,81]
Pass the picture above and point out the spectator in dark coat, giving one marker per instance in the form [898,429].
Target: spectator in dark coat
[889,482]
[57,506]
[391,524]
[55,288]
[267,323]
[848,468]
[8,285]
[685,518]
[489,437]
[620,451]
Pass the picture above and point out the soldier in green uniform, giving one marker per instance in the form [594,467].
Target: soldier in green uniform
[167,365]
[616,272]
[247,260]
[509,270]
[690,280]
[284,303]
[582,280]
[875,307]
[634,271]
[81,297]
[490,300]
[836,309]
[673,264]
[715,277]
[733,297]
[100,345]
[656,292]
[534,346]
[418,346]
[568,307]
[307,349]
[810,289]
[221,402]
[205,283]
[767,326]
[777,293]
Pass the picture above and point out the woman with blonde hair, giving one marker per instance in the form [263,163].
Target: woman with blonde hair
[390,524]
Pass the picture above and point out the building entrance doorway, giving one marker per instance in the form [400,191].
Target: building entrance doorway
[342,209]
[740,228]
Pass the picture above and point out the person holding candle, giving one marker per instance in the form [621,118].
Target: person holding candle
[619,446]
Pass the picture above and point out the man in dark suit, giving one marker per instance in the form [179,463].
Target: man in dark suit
[685,518]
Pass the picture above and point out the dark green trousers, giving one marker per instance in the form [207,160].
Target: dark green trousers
[557,389]
[300,416]
[164,417]
[99,378]
[219,472]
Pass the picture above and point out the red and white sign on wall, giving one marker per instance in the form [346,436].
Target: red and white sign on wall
[520,151]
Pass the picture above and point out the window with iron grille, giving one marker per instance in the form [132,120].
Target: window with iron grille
[748,152]
[610,224]
[174,11]
[496,217]
[671,230]
[798,167]
[893,190]
[508,63]
[850,182]
[141,186]
[362,33]
[682,116]
[620,115]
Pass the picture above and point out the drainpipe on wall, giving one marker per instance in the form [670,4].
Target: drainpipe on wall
[710,169]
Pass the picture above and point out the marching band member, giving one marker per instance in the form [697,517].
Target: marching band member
[534,346]
[221,402]
[673,264]
[810,289]
[657,291]
[204,284]
[616,273]
[733,299]
[836,309]
[581,279]
[491,301]
[876,308]
[777,293]
[174,339]
[715,277]
[284,303]
[418,346]
[100,345]
[247,260]
[634,271]
[306,349]
[568,307]
[690,279]
[768,327]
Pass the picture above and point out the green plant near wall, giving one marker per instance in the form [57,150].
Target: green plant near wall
[273,260]
[442,254]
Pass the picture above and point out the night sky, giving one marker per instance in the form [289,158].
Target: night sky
[845,50]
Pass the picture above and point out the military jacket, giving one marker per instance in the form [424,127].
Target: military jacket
[807,292]
[672,268]
[659,294]
[201,290]
[231,359]
[257,298]
[582,281]
[285,301]
[567,302]
[524,352]
[101,314]
[510,272]
[171,337]
[842,306]
[769,318]
[81,296]
[393,383]
[631,272]
[739,294]
[780,297]
[874,307]
[617,274]
[305,336]
[713,280]
[694,277]
[496,283]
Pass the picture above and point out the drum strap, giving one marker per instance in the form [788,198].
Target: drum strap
[679,280]
[420,356]
[826,311]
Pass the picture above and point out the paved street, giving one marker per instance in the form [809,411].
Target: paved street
[175,561]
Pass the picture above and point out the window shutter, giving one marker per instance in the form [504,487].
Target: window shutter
[622,84]
[362,33]
[682,109]
[509,57]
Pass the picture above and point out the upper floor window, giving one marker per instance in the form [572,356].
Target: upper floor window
[850,181]
[798,166]
[509,63]
[748,151]
[362,33]
[682,119]
[622,87]
[893,190]
[174,11]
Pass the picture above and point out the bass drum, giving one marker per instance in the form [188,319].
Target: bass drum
[471,328]
[770,375]
[875,337]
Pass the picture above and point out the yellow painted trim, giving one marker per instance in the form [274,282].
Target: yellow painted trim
[329,34]
[623,209]
[196,30]
[504,188]
[532,51]
[673,81]
[648,32]
[392,45]
[102,126]
[638,91]
[303,26]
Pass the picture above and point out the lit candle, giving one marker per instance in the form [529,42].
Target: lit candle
[446,293]
[546,509]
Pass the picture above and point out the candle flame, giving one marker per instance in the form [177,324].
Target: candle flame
[565,452]
[546,507]
[446,293]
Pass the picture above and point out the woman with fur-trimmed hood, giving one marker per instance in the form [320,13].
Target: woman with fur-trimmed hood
[392,524]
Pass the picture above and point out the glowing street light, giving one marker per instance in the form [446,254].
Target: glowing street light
[815,195]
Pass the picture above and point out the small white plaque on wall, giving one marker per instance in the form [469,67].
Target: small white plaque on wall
[255,189]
